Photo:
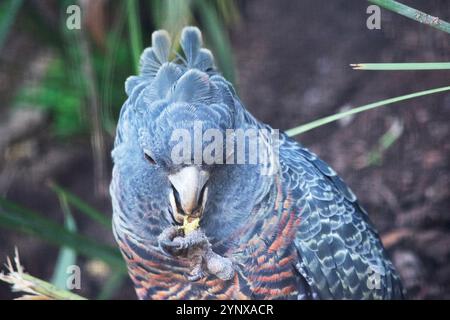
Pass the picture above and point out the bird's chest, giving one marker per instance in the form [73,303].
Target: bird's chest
[264,278]
[264,268]
[263,257]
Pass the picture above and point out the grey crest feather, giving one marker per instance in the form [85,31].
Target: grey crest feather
[153,58]
[161,44]
[196,57]
[205,60]
[130,83]
[194,86]
[165,79]
[191,42]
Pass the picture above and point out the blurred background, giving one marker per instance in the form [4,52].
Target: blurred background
[61,91]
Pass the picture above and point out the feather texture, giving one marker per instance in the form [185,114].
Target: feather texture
[297,234]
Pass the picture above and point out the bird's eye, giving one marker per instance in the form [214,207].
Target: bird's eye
[148,158]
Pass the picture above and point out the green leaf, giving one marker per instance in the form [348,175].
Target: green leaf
[134,30]
[228,11]
[115,68]
[61,95]
[8,12]
[402,66]
[413,14]
[67,256]
[375,156]
[34,288]
[82,206]
[337,116]
[175,15]
[49,290]
[217,36]
[16,217]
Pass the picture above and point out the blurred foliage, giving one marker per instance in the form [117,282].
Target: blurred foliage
[22,219]
[375,156]
[67,256]
[8,12]
[62,91]
[67,198]
[59,95]
[67,238]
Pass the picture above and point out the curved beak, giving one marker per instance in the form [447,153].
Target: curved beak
[189,194]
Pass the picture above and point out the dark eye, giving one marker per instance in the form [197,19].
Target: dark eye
[148,158]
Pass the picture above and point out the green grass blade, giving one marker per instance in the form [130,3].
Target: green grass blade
[413,14]
[172,15]
[34,288]
[402,66]
[156,12]
[176,15]
[216,34]
[16,217]
[112,67]
[320,122]
[47,289]
[67,256]
[375,156]
[134,31]
[229,11]
[9,10]
[82,206]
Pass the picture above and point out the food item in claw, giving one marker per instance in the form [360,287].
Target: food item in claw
[190,224]
[190,241]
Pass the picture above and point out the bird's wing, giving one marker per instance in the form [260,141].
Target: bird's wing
[340,253]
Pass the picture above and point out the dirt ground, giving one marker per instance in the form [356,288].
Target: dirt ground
[293,67]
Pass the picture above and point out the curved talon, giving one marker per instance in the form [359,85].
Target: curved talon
[170,244]
[171,247]
[184,245]
[195,277]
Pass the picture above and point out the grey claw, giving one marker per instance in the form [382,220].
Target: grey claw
[171,247]
[195,277]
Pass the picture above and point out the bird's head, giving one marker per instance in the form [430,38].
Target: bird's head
[175,137]
[176,124]
[184,141]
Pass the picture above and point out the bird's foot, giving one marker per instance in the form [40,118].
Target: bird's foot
[173,241]
[167,241]
[221,267]
[196,274]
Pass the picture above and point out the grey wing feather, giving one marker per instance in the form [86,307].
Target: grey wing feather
[341,255]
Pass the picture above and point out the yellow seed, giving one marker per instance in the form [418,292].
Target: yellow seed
[188,227]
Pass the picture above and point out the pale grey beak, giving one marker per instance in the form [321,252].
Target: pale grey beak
[189,183]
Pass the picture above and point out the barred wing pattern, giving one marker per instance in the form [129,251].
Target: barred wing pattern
[340,253]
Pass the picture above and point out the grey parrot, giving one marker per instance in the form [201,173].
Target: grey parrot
[280,225]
